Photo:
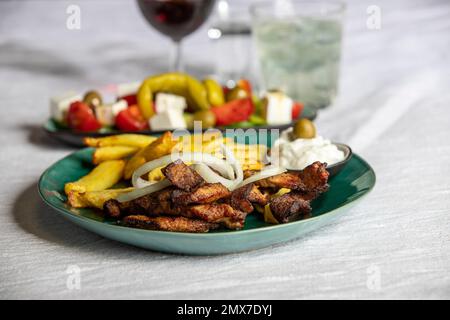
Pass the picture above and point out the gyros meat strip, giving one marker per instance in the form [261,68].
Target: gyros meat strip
[177,224]
[315,177]
[115,209]
[206,193]
[112,208]
[218,213]
[289,207]
[311,179]
[243,197]
[289,180]
[182,176]
[155,204]
[159,203]
[191,205]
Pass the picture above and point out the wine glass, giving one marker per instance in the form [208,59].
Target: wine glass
[176,19]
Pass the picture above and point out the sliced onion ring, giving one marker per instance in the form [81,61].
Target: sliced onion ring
[229,155]
[143,191]
[136,179]
[265,173]
[220,165]
[212,177]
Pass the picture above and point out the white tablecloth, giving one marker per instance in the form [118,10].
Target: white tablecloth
[393,109]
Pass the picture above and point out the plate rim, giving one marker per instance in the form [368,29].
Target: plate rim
[68,214]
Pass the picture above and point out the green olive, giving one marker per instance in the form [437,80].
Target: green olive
[93,98]
[236,93]
[304,129]
[207,118]
[189,118]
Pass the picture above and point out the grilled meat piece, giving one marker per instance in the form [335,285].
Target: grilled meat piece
[289,180]
[182,176]
[160,204]
[177,224]
[315,178]
[115,209]
[218,213]
[205,193]
[311,179]
[112,209]
[192,205]
[289,207]
[243,198]
[154,204]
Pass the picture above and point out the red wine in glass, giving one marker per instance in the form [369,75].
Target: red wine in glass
[176,19]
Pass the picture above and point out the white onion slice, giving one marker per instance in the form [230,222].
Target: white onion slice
[265,173]
[141,183]
[143,191]
[136,179]
[229,155]
[220,165]
[212,177]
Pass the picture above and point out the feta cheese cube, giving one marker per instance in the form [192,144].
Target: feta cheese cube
[278,108]
[119,106]
[59,105]
[126,89]
[170,102]
[167,120]
[106,113]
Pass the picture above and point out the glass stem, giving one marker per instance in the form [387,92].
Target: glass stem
[176,63]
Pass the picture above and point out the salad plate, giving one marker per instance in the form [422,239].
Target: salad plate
[74,138]
[169,101]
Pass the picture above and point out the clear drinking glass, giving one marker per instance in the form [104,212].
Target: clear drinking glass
[299,46]
[230,32]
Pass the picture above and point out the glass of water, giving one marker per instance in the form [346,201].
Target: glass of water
[299,46]
[231,34]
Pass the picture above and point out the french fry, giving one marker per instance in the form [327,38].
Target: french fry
[135,162]
[127,139]
[205,142]
[255,166]
[94,199]
[251,151]
[252,155]
[158,148]
[102,177]
[112,153]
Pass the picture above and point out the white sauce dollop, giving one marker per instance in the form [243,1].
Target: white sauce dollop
[300,153]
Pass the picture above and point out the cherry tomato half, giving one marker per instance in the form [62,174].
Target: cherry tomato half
[81,117]
[297,109]
[233,111]
[131,119]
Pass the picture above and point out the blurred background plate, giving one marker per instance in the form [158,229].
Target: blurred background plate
[74,138]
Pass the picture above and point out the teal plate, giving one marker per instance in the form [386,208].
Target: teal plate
[355,180]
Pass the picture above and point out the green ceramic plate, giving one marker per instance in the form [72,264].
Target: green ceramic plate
[74,138]
[355,180]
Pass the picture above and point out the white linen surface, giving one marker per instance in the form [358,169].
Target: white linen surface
[393,109]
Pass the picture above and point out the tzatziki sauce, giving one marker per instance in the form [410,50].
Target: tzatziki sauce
[297,154]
